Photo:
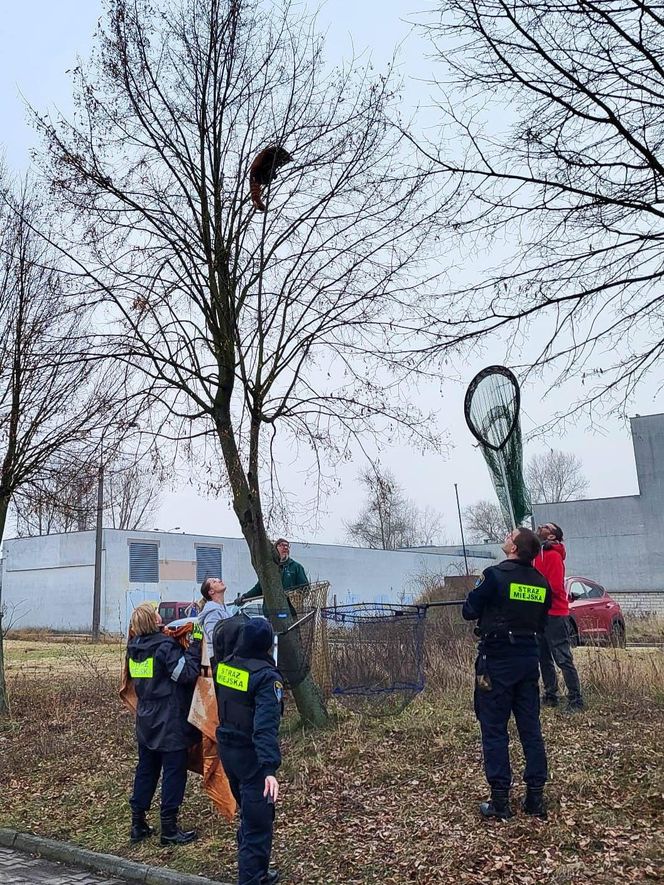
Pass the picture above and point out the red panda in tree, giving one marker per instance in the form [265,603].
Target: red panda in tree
[263,169]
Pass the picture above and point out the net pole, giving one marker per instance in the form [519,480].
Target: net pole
[463,540]
[503,472]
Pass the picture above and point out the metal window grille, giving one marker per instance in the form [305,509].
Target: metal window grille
[143,563]
[208,563]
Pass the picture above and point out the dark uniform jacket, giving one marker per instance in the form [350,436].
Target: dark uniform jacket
[249,692]
[510,602]
[164,675]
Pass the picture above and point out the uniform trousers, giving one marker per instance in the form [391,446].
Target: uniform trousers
[173,767]
[514,690]
[254,836]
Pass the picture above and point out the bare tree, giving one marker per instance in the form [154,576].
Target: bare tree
[64,497]
[485,521]
[428,529]
[553,133]
[555,476]
[133,494]
[389,519]
[10,615]
[247,325]
[53,393]
[61,499]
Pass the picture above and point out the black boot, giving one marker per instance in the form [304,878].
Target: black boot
[575,705]
[534,803]
[498,806]
[172,835]
[273,876]
[140,829]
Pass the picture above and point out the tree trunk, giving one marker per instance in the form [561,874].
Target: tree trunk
[4,698]
[292,656]
[246,503]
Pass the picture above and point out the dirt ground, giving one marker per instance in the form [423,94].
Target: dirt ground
[367,800]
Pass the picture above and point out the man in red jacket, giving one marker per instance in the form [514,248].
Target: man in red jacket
[555,645]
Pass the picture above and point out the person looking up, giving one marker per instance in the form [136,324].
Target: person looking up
[164,675]
[510,602]
[555,646]
[214,610]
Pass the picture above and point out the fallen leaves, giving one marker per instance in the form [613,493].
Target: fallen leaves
[366,801]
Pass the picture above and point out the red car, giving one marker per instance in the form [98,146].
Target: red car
[594,616]
[174,611]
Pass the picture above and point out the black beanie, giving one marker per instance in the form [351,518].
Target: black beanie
[256,639]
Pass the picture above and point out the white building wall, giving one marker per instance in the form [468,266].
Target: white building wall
[47,581]
[50,579]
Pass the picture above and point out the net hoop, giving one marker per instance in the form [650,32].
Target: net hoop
[368,612]
[468,399]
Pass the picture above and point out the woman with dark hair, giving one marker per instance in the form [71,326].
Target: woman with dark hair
[214,608]
[163,674]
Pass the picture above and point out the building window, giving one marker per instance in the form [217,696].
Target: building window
[208,563]
[143,563]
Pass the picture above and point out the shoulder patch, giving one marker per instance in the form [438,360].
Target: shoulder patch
[479,581]
[279,691]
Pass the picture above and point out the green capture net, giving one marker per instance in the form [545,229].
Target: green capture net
[491,409]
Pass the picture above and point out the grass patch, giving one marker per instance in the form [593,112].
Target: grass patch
[645,628]
[45,658]
[364,801]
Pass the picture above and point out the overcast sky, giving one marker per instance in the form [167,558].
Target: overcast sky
[40,41]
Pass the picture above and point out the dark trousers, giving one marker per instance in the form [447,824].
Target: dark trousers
[151,763]
[554,648]
[514,689]
[254,836]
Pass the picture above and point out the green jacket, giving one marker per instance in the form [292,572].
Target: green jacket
[292,576]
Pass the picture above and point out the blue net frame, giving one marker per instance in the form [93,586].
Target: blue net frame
[374,655]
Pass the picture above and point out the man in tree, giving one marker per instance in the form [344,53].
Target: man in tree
[293,575]
[554,644]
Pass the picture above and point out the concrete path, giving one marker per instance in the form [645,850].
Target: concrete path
[17,868]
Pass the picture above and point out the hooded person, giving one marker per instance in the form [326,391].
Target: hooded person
[225,637]
[214,609]
[555,648]
[249,692]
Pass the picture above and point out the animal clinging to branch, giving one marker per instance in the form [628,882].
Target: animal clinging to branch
[263,169]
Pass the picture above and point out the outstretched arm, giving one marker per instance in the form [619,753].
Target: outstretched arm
[301,577]
[255,591]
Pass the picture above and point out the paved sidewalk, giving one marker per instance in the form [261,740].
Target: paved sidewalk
[17,868]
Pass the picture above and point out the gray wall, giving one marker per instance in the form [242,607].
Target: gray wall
[605,540]
[616,541]
[49,579]
[619,541]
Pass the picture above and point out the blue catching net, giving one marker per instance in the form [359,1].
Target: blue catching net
[374,655]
